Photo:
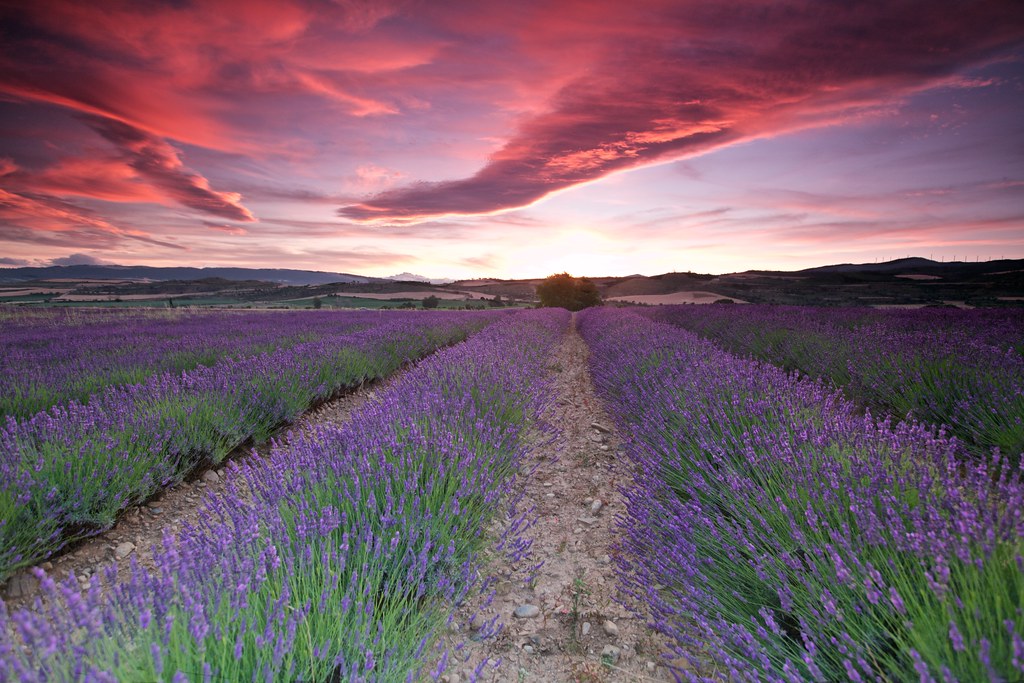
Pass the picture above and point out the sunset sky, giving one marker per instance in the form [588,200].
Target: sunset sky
[510,139]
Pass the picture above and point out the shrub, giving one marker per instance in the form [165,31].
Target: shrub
[565,291]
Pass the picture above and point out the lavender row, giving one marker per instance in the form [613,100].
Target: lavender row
[776,533]
[336,558]
[69,471]
[58,355]
[962,369]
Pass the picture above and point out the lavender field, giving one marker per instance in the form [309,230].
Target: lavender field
[333,559]
[806,495]
[105,409]
[777,532]
[961,369]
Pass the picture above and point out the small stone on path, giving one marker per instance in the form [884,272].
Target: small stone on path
[124,550]
[21,584]
[610,628]
[527,611]
[600,427]
[610,654]
[210,476]
[596,506]
[585,628]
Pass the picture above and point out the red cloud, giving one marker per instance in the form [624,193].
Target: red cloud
[158,163]
[107,178]
[668,80]
[43,219]
[179,70]
[145,169]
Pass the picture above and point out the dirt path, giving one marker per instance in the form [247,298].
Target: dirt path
[561,621]
[141,528]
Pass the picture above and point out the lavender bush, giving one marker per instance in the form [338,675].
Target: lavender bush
[337,558]
[775,533]
[962,369]
[68,471]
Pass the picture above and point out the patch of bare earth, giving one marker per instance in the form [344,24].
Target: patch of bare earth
[691,297]
[140,530]
[560,622]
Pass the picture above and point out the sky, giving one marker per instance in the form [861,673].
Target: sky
[510,139]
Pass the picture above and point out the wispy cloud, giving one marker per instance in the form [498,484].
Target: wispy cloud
[159,163]
[225,227]
[62,222]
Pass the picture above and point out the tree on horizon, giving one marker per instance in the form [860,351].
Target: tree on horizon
[565,291]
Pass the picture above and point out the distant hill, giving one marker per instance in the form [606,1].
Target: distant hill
[908,264]
[413,277]
[93,272]
[669,283]
[903,282]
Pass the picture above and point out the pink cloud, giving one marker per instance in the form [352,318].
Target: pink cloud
[224,227]
[51,220]
[681,79]
[373,177]
[155,161]
[181,70]
[143,169]
[106,178]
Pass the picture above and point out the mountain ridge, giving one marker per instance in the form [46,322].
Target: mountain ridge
[289,276]
[294,276]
